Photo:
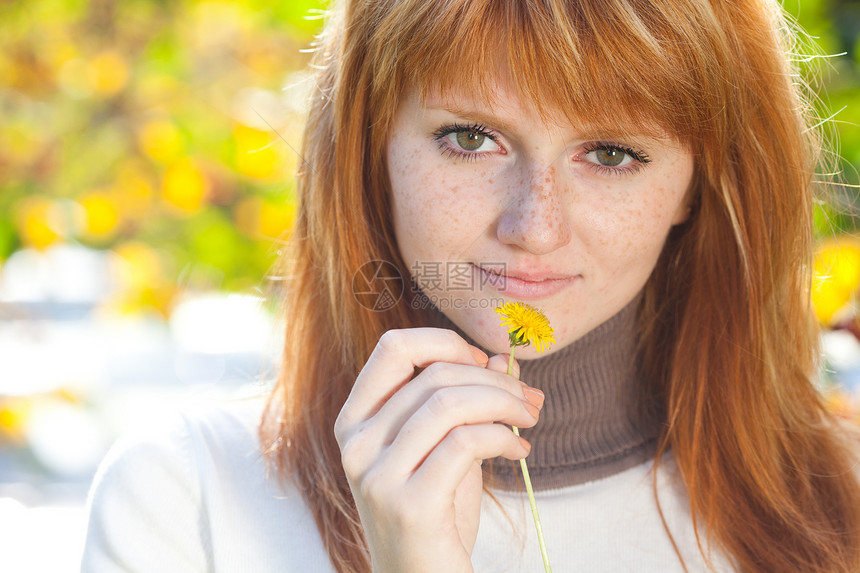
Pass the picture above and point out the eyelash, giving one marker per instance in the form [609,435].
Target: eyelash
[640,157]
[440,134]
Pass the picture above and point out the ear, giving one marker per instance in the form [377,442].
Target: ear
[685,207]
[682,213]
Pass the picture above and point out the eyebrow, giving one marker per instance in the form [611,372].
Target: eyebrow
[586,132]
[477,115]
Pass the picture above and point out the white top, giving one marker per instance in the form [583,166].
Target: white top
[196,497]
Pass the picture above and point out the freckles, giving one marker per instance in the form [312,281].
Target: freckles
[447,204]
[436,209]
[401,168]
[629,227]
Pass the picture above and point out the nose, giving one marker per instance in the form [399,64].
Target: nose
[535,220]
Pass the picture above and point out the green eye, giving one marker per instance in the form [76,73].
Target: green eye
[610,157]
[470,140]
[614,158]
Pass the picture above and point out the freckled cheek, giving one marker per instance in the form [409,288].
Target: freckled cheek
[630,238]
[627,229]
[436,211]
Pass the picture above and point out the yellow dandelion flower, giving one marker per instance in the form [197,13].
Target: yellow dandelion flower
[526,325]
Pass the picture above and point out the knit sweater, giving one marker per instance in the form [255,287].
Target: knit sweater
[195,496]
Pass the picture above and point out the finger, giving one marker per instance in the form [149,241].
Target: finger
[499,363]
[406,401]
[371,436]
[392,363]
[448,463]
[447,409]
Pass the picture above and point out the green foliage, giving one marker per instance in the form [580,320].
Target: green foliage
[833,26]
[132,126]
[136,126]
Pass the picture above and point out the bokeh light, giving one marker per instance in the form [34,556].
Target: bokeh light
[147,160]
[147,153]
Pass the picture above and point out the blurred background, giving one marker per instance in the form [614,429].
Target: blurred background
[147,151]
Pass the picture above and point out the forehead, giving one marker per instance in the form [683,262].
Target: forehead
[506,108]
[616,65]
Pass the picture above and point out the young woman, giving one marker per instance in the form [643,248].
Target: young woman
[640,171]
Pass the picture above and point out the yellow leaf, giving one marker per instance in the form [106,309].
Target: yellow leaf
[102,214]
[276,219]
[133,192]
[836,276]
[142,265]
[39,222]
[111,73]
[14,414]
[256,152]
[142,279]
[161,140]
[184,186]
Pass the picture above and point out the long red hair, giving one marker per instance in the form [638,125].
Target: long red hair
[727,337]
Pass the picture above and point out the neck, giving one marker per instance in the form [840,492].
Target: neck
[594,422]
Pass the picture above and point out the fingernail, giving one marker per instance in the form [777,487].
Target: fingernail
[533,395]
[533,410]
[479,355]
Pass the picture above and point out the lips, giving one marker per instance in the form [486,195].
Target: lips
[522,284]
[523,275]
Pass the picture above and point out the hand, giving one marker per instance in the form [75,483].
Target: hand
[412,448]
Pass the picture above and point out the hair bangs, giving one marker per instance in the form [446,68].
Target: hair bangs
[619,66]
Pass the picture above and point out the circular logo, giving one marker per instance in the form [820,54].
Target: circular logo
[377,285]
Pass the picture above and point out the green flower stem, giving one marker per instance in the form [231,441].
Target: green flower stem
[529,489]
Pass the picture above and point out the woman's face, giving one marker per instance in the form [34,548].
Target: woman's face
[492,205]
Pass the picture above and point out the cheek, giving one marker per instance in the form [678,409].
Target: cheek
[435,211]
[631,227]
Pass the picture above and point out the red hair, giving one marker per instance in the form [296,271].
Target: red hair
[727,336]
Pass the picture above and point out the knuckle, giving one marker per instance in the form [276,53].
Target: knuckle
[366,489]
[372,487]
[340,425]
[348,461]
[392,342]
[452,337]
[353,457]
[460,440]
[437,373]
[442,403]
